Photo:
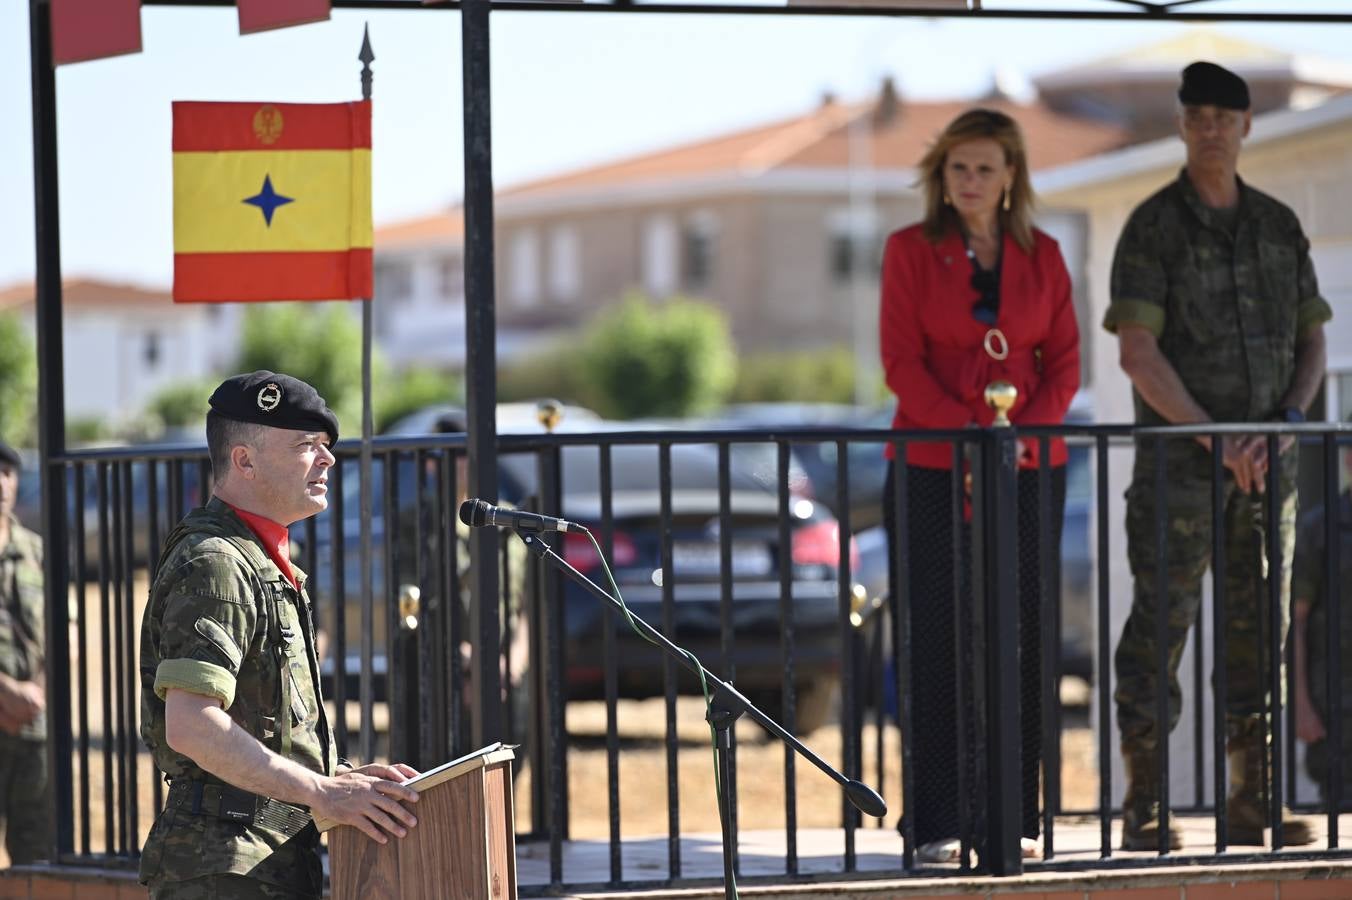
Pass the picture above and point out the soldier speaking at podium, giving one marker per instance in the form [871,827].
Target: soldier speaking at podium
[230,699]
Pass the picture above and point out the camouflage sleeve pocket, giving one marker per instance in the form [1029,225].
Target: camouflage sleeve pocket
[219,639]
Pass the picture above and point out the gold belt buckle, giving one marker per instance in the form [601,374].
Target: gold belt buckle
[993,336]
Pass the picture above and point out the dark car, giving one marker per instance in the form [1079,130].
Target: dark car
[757,618]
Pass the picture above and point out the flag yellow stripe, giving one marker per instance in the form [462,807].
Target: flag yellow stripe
[330,208]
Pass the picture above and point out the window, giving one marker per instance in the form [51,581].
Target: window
[565,263]
[854,245]
[699,241]
[394,281]
[151,349]
[659,256]
[524,268]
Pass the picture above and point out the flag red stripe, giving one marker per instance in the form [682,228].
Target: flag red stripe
[225,277]
[260,15]
[90,29]
[214,127]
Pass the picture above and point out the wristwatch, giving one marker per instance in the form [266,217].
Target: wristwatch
[1291,415]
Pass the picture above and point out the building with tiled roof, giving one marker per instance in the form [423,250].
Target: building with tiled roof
[143,341]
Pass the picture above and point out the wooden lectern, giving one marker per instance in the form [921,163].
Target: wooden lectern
[462,847]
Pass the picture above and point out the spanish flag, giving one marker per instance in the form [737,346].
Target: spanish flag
[272,201]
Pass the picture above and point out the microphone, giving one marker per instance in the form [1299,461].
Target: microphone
[477,513]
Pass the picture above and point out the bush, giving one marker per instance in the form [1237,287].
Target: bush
[803,376]
[182,405]
[410,391]
[18,383]
[317,343]
[549,372]
[670,359]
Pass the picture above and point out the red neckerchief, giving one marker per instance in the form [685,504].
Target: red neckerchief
[276,539]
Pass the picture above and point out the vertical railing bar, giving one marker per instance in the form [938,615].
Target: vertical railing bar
[426,616]
[1048,593]
[394,700]
[1162,638]
[129,745]
[849,713]
[786,645]
[1218,642]
[106,658]
[450,603]
[1272,504]
[902,653]
[153,545]
[82,655]
[457,731]
[668,664]
[610,670]
[116,734]
[1103,670]
[726,627]
[1333,526]
[962,684]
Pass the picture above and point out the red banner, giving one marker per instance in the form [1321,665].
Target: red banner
[261,15]
[93,29]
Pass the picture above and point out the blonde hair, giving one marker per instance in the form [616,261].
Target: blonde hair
[940,218]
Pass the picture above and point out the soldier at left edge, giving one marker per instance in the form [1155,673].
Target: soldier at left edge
[24,800]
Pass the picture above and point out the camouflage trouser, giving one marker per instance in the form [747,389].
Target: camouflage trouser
[1187,556]
[223,887]
[25,799]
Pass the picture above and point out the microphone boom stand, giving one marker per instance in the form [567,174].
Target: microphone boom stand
[726,706]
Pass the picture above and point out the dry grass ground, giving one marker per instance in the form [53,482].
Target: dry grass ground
[642,760]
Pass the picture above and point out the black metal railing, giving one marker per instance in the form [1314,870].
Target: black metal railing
[714,541]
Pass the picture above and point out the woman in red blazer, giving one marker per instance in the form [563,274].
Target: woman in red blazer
[972,294]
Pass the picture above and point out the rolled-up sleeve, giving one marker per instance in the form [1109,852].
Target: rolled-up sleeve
[208,625]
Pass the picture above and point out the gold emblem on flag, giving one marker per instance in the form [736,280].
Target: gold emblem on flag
[269,396]
[267,124]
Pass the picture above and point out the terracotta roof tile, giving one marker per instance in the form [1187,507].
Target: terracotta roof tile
[437,230]
[88,293]
[821,139]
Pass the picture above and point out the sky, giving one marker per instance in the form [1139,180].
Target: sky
[568,90]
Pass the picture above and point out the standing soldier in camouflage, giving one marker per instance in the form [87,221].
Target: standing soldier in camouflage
[24,802]
[1219,319]
[1309,638]
[230,700]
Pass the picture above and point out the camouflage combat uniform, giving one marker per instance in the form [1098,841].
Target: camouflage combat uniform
[1226,294]
[1307,584]
[222,620]
[24,800]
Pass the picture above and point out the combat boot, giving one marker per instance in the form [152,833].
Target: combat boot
[1141,805]
[1247,807]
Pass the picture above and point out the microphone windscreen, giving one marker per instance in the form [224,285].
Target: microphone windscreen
[473,512]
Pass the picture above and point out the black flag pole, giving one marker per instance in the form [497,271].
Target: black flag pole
[367,687]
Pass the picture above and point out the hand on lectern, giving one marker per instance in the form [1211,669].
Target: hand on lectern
[369,798]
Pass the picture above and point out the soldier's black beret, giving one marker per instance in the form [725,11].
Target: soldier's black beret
[276,400]
[1207,84]
[10,456]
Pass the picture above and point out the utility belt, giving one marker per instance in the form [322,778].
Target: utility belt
[231,804]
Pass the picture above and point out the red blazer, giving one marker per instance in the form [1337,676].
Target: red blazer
[933,348]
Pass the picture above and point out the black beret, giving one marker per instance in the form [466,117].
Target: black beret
[9,455]
[1207,84]
[275,400]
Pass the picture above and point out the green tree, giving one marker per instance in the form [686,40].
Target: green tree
[317,343]
[18,382]
[546,372]
[411,390]
[647,359]
[183,404]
